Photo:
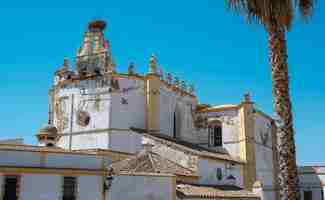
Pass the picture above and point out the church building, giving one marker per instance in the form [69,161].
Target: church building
[113,135]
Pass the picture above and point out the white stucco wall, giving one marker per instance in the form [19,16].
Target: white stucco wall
[64,142]
[40,187]
[52,160]
[230,130]
[73,161]
[141,188]
[132,114]
[19,158]
[90,140]
[173,102]
[96,101]
[125,141]
[208,172]
[264,152]
[90,187]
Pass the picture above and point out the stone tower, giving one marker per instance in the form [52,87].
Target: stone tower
[94,56]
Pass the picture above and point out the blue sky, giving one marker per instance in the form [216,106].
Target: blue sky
[199,41]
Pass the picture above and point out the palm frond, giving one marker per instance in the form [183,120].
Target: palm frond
[306,7]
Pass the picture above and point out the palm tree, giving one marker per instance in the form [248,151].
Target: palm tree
[277,16]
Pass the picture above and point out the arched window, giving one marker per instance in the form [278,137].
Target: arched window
[215,136]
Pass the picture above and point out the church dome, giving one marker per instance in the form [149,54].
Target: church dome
[48,129]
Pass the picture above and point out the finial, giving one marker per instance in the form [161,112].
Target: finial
[65,63]
[161,74]
[191,90]
[169,78]
[131,68]
[183,86]
[176,82]
[153,64]
[247,97]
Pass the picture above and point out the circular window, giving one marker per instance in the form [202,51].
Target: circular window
[83,118]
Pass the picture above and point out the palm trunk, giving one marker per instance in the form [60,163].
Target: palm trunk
[288,174]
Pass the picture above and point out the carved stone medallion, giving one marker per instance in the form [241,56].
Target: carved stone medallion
[83,118]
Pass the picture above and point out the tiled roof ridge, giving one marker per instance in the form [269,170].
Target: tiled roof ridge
[204,153]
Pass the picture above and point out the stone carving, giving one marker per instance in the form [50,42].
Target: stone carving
[61,115]
[83,118]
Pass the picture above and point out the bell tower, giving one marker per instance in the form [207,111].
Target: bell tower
[95,56]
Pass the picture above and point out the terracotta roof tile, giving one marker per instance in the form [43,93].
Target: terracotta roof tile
[150,162]
[189,147]
[196,191]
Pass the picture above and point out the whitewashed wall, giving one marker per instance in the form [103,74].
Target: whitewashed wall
[64,142]
[208,173]
[40,187]
[19,158]
[90,187]
[90,140]
[132,114]
[125,141]
[173,102]
[230,130]
[264,152]
[53,160]
[73,161]
[141,188]
[96,103]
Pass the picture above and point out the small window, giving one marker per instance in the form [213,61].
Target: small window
[219,174]
[69,188]
[308,195]
[215,136]
[11,188]
[211,137]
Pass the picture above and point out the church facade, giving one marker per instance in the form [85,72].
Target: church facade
[113,135]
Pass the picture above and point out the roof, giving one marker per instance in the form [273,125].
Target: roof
[311,169]
[219,108]
[189,147]
[150,162]
[207,192]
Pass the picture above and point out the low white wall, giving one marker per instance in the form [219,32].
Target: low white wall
[141,188]
[40,187]
[90,187]
[19,158]
[125,141]
[208,173]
